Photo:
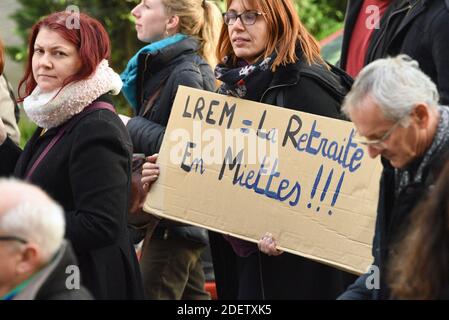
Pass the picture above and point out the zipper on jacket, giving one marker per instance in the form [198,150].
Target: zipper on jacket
[143,80]
[409,7]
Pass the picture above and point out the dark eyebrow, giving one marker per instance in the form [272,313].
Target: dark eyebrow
[51,48]
[13,238]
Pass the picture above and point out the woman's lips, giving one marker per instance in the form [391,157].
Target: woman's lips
[240,41]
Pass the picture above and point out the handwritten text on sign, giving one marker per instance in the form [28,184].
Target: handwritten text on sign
[277,169]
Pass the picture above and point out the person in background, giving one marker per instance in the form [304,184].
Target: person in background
[417,28]
[182,36]
[394,107]
[34,256]
[7,104]
[363,18]
[80,154]
[419,264]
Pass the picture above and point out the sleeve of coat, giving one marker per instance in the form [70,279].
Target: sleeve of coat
[358,290]
[440,49]
[7,112]
[147,135]
[100,182]
[9,154]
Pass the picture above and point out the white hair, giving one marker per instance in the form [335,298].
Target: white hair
[32,216]
[395,84]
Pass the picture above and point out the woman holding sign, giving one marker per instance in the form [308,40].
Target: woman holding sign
[182,36]
[268,56]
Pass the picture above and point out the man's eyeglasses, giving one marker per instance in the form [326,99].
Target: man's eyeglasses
[378,143]
[13,238]
[246,17]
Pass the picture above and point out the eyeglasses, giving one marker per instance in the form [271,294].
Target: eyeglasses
[13,238]
[248,18]
[379,143]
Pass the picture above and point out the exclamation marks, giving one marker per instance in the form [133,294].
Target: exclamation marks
[326,188]
[315,185]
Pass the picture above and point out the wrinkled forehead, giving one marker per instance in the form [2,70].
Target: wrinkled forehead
[368,117]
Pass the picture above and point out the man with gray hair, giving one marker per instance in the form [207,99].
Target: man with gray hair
[36,263]
[394,107]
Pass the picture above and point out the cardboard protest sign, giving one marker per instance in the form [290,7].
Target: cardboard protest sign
[244,168]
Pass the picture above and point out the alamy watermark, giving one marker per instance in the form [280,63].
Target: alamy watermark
[73,281]
[200,147]
[373,20]
[73,21]
[373,279]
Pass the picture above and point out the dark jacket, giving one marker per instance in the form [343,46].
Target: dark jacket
[418,28]
[392,215]
[352,12]
[51,282]
[88,173]
[313,89]
[177,64]
[166,69]
[316,90]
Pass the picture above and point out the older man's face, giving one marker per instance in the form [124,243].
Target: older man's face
[10,256]
[398,145]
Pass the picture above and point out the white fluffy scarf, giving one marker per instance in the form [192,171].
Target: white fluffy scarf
[51,109]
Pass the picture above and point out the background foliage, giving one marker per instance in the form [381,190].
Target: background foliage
[321,17]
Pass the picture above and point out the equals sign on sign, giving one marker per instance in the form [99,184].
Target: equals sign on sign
[247,123]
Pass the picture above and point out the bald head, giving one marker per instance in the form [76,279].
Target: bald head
[29,213]
[15,192]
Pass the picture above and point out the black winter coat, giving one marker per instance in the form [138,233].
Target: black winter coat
[418,28]
[392,215]
[168,68]
[88,172]
[315,90]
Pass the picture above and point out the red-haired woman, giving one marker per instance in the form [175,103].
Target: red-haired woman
[268,56]
[81,152]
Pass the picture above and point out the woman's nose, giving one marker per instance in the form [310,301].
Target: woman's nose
[238,24]
[45,61]
[135,11]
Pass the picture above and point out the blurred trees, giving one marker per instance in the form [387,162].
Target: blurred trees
[321,17]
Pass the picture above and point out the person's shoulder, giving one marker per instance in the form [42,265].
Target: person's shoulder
[191,62]
[193,69]
[100,122]
[436,14]
[327,78]
[440,15]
